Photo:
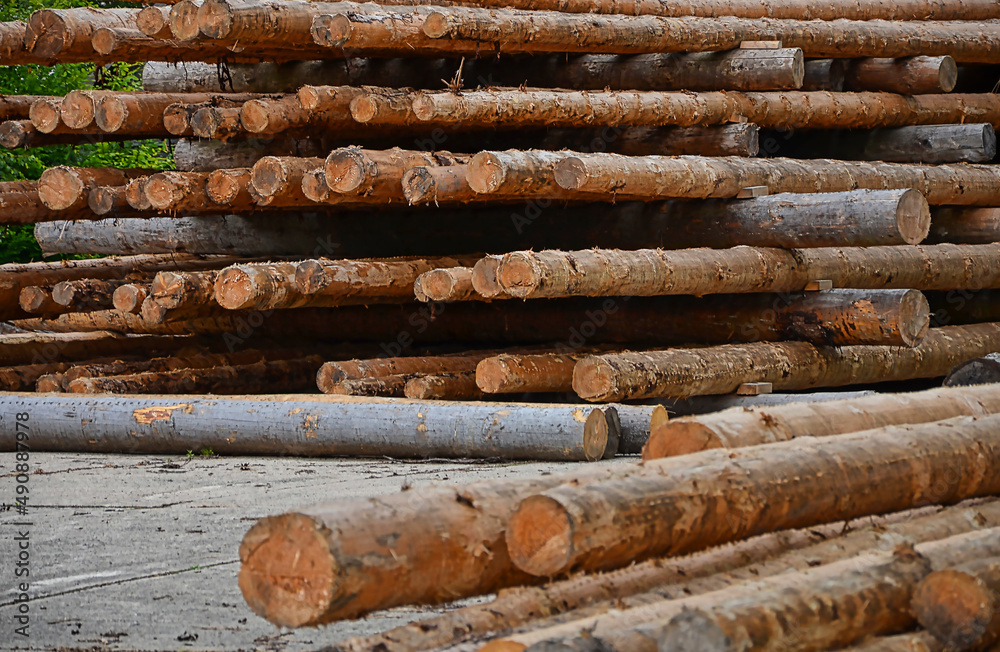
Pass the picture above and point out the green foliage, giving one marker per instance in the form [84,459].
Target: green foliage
[17,243]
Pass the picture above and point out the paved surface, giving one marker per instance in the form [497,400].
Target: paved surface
[140,552]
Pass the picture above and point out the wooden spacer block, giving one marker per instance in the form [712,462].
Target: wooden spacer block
[760,45]
[754,389]
[819,286]
[752,191]
[738,119]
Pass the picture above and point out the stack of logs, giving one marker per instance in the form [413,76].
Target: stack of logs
[655,205]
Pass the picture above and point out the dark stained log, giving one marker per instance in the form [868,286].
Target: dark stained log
[977,371]
[908,76]
[38,301]
[960,143]
[823,75]
[964,225]
[960,606]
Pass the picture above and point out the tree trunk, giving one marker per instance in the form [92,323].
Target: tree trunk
[85,295]
[191,155]
[270,376]
[328,111]
[598,527]
[65,188]
[743,426]
[377,175]
[786,365]
[332,374]
[968,143]
[444,387]
[129,297]
[65,34]
[274,176]
[230,188]
[216,122]
[348,278]
[184,289]
[384,386]
[26,207]
[824,75]
[449,284]
[910,76]
[179,191]
[960,606]
[510,373]
[977,371]
[967,225]
[131,45]
[141,114]
[45,114]
[17,134]
[177,117]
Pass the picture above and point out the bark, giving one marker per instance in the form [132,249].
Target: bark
[447,387]
[66,188]
[348,278]
[788,365]
[38,348]
[541,372]
[141,114]
[824,75]
[270,376]
[45,114]
[179,191]
[385,386]
[332,374]
[173,363]
[966,225]
[24,377]
[551,274]
[327,110]
[743,426]
[65,33]
[274,176]
[184,289]
[910,76]
[448,284]
[596,527]
[85,295]
[129,297]
[919,641]
[977,371]
[460,30]
[968,143]
[960,606]
[518,109]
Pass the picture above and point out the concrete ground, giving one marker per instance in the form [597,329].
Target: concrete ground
[141,552]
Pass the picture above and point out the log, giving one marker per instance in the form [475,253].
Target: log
[743,426]
[24,377]
[280,375]
[976,371]
[348,278]
[540,372]
[484,277]
[184,289]
[85,295]
[64,188]
[328,109]
[314,186]
[909,76]
[274,176]
[458,30]
[788,365]
[18,107]
[45,114]
[15,134]
[154,21]
[38,348]
[183,20]
[448,284]
[216,122]
[447,387]
[25,207]
[824,75]
[333,374]
[601,536]
[135,194]
[105,200]
[38,301]
[65,33]
[768,555]
[177,117]
[970,143]
[959,606]
[740,139]
[140,114]
[919,641]
[173,363]
[551,274]
[965,225]
[259,24]
[179,191]
[79,108]
[371,173]
[517,109]
[192,155]
[230,188]
[384,386]
[129,297]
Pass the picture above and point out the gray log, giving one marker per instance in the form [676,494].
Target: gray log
[968,143]
[288,425]
[206,155]
[978,371]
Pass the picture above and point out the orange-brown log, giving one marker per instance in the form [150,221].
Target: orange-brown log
[184,289]
[141,113]
[448,284]
[183,19]
[129,297]
[37,348]
[960,606]
[231,188]
[173,363]
[45,114]
[15,134]
[65,33]
[509,373]
[63,188]
[314,186]
[390,386]
[377,175]
[738,427]
[154,21]
[178,191]
[25,207]
[484,277]
[738,139]
[38,301]
[282,176]
[18,107]
[79,108]
[786,365]
[334,374]
[327,108]
[216,122]
[908,76]
[135,194]
[109,201]
[445,387]
[349,278]
[86,295]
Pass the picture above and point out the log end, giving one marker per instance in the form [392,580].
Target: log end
[162,192]
[184,20]
[484,277]
[47,34]
[152,312]
[45,115]
[913,217]
[128,298]
[314,186]
[598,442]
[570,173]
[978,371]
[331,31]
[255,116]
[485,172]
[310,277]
[63,293]
[914,317]
[955,607]
[947,74]
[679,437]
[364,109]
[693,631]
[798,68]
[346,170]
[539,536]
[15,133]
[288,574]
[215,19]
[33,299]
[238,287]
[493,375]
[59,188]
[49,383]
[419,186]
[78,109]
[177,119]
[135,194]
[105,40]
[269,176]
[519,274]
[437,25]
[110,113]
[102,200]
[223,186]
[438,284]
[594,380]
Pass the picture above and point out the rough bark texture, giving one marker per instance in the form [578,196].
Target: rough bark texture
[541,372]
[449,284]
[738,427]
[65,34]
[446,387]
[969,143]
[648,511]
[960,606]
[328,109]
[334,373]
[788,365]
[37,348]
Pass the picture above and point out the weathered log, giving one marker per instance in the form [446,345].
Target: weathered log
[274,176]
[65,188]
[349,278]
[384,386]
[216,122]
[601,536]
[45,114]
[910,76]
[970,143]
[540,372]
[129,297]
[173,363]
[977,371]
[332,374]
[457,30]
[788,365]
[179,191]
[314,186]
[38,348]
[86,294]
[363,172]
[769,554]
[959,606]
[737,427]
[966,225]
[38,301]
[483,109]
[449,387]
[279,375]
[108,200]
[65,34]
[824,75]
[194,155]
[550,274]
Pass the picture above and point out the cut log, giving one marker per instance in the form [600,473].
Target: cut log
[966,225]
[457,30]
[216,122]
[26,207]
[788,365]
[919,641]
[135,194]
[230,188]
[183,20]
[86,295]
[601,535]
[173,363]
[141,114]
[959,606]
[370,173]
[45,114]
[910,76]
[551,274]
[384,386]
[332,374]
[109,200]
[328,109]
[449,284]
[129,297]
[749,426]
[154,21]
[824,75]
[18,107]
[179,191]
[447,387]
[977,371]
[65,188]
[79,108]
[541,372]
[279,375]
[15,134]
[65,34]
[970,143]
[38,348]
[38,301]
[314,186]
[348,278]
[24,377]
[274,176]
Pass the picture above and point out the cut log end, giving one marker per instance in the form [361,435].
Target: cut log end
[486,172]
[947,74]
[49,383]
[215,19]
[78,110]
[184,21]
[518,274]
[269,176]
[539,536]
[110,113]
[436,25]
[63,293]
[255,116]
[14,134]
[484,277]
[492,375]
[598,442]
[977,371]
[152,21]
[45,115]
[236,288]
[914,317]
[593,379]
[679,438]
[693,631]
[222,187]
[50,34]
[102,199]
[314,186]
[955,607]
[346,170]
[33,299]
[310,277]
[162,192]
[59,188]
[438,284]
[105,40]
[135,194]
[913,217]
[129,298]
[570,174]
[331,30]
[288,574]
[419,186]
